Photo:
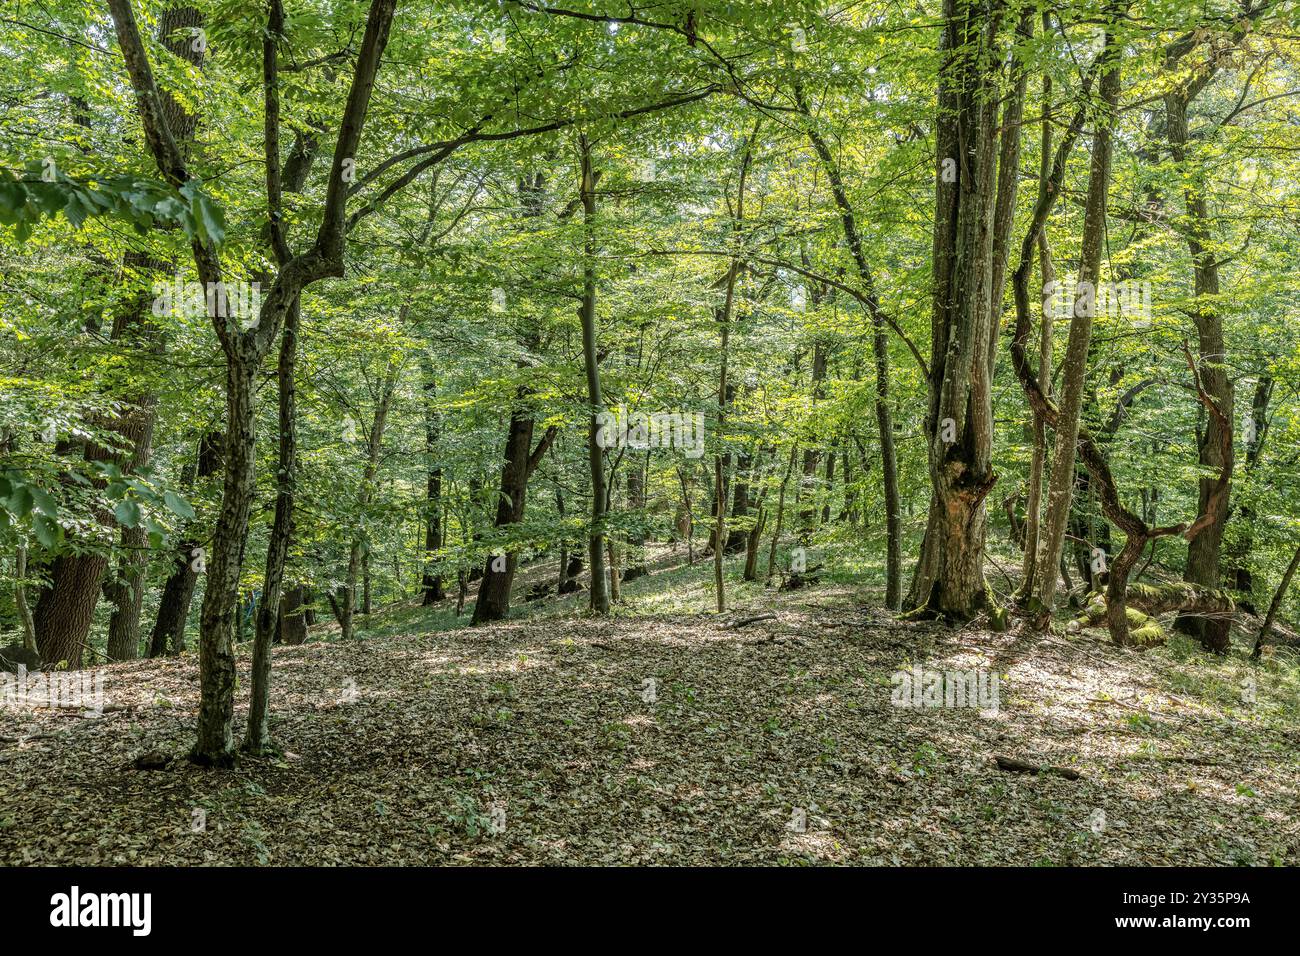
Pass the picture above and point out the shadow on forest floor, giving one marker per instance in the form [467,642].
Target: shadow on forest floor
[773,742]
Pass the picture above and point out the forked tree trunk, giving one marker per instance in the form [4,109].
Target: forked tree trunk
[244,348]
[950,581]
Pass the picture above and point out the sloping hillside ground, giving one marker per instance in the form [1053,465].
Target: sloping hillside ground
[535,741]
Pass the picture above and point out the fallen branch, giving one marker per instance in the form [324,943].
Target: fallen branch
[746,621]
[1013,765]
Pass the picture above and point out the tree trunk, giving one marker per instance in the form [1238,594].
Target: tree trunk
[1239,570]
[493,602]
[600,587]
[360,544]
[723,315]
[1047,274]
[293,620]
[1061,482]
[1276,604]
[1215,449]
[174,607]
[690,517]
[65,617]
[433,533]
[965,316]
[257,738]
[880,357]
[20,600]
[214,744]
[812,455]
[66,607]
[780,513]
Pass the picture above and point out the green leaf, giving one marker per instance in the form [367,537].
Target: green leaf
[44,502]
[127,513]
[209,218]
[20,502]
[178,505]
[47,530]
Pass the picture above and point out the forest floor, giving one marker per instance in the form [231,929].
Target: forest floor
[534,742]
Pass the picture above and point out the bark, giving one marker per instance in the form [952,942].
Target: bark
[360,543]
[829,478]
[431,583]
[615,581]
[959,420]
[1061,482]
[126,593]
[636,502]
[125,589]
[1135,528]
[63,617]
[1047,275]
[880,357]
[493,602]
[1144,602]
[65,609]
[293,619]
[723,315]
[689,530]
[270,611]
[1214,451]
[245,348]
[497,576]
[600,586]
[812,455]
[20,600]
[174,606]
[1240,571]
[366,589]
[780,514]
[1276,604]
[257,738]
[752,539]
[741,503]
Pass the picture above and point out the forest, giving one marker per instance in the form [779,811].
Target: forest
[649,432]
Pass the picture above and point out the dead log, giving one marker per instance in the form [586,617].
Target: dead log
[746,621]
[1145,602]
[1012,765]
